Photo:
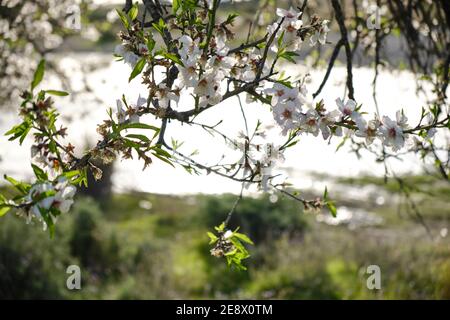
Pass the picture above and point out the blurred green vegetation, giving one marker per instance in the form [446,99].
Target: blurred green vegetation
[148,246]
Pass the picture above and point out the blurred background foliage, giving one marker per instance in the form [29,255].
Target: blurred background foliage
[149,246]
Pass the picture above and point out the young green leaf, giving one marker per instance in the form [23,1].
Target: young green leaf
[332,208]
[150,44]
[289,56]
[325,194]
[212,237]
[57,93]
[39,173]
[134,11]
[19,131]
[162,158]
[173,57]
[138,126]
[22,187]
[137,69]
[48,221]
[38,74]
[124,18]
[160,26]
[220,228]
[176,5]
[243,237]
[139,137]
[4,210]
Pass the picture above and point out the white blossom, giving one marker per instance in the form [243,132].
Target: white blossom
[429,120]
[320,35]
[290,24]
[348,108]
[287,114]
[120,113]
[325,121]
[367,130]
[63,199]
[288,15]
[188,74]
[165,96]
[131,113]
[129,57]
[134,108]
[208,88]
[228,234]
[280,92]
[310,122]
[392,134]
[271,155]
[44,196]
[190,49]
[248,67]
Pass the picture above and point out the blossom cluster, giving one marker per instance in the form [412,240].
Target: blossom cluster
[207,74]
[130,112]
[49,200]
[293,113]
[27,28]
[288,30]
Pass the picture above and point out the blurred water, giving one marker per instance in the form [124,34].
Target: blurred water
[353,218]
[110,80]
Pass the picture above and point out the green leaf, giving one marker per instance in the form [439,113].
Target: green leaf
[238,245]
[19,131]
[82,178]
[71,174]
[20,186]
[231,17]
[139,137]
[289,56]
[134,11]
[231,253]
[285,82]
[173,57]
[189,4]
[176,5]
[57,93]
[243,237]
[39,173]
[332,208]
[221,227]
[137,69]
[212,237]
[150,44]
[293,143]
[280,40]
[131,144]
[4,210]
[49,221]
[38,75]
[341,144]
[137,126]
[162,158]
[161,152]
[160,26]
[325,194]
[124,18]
